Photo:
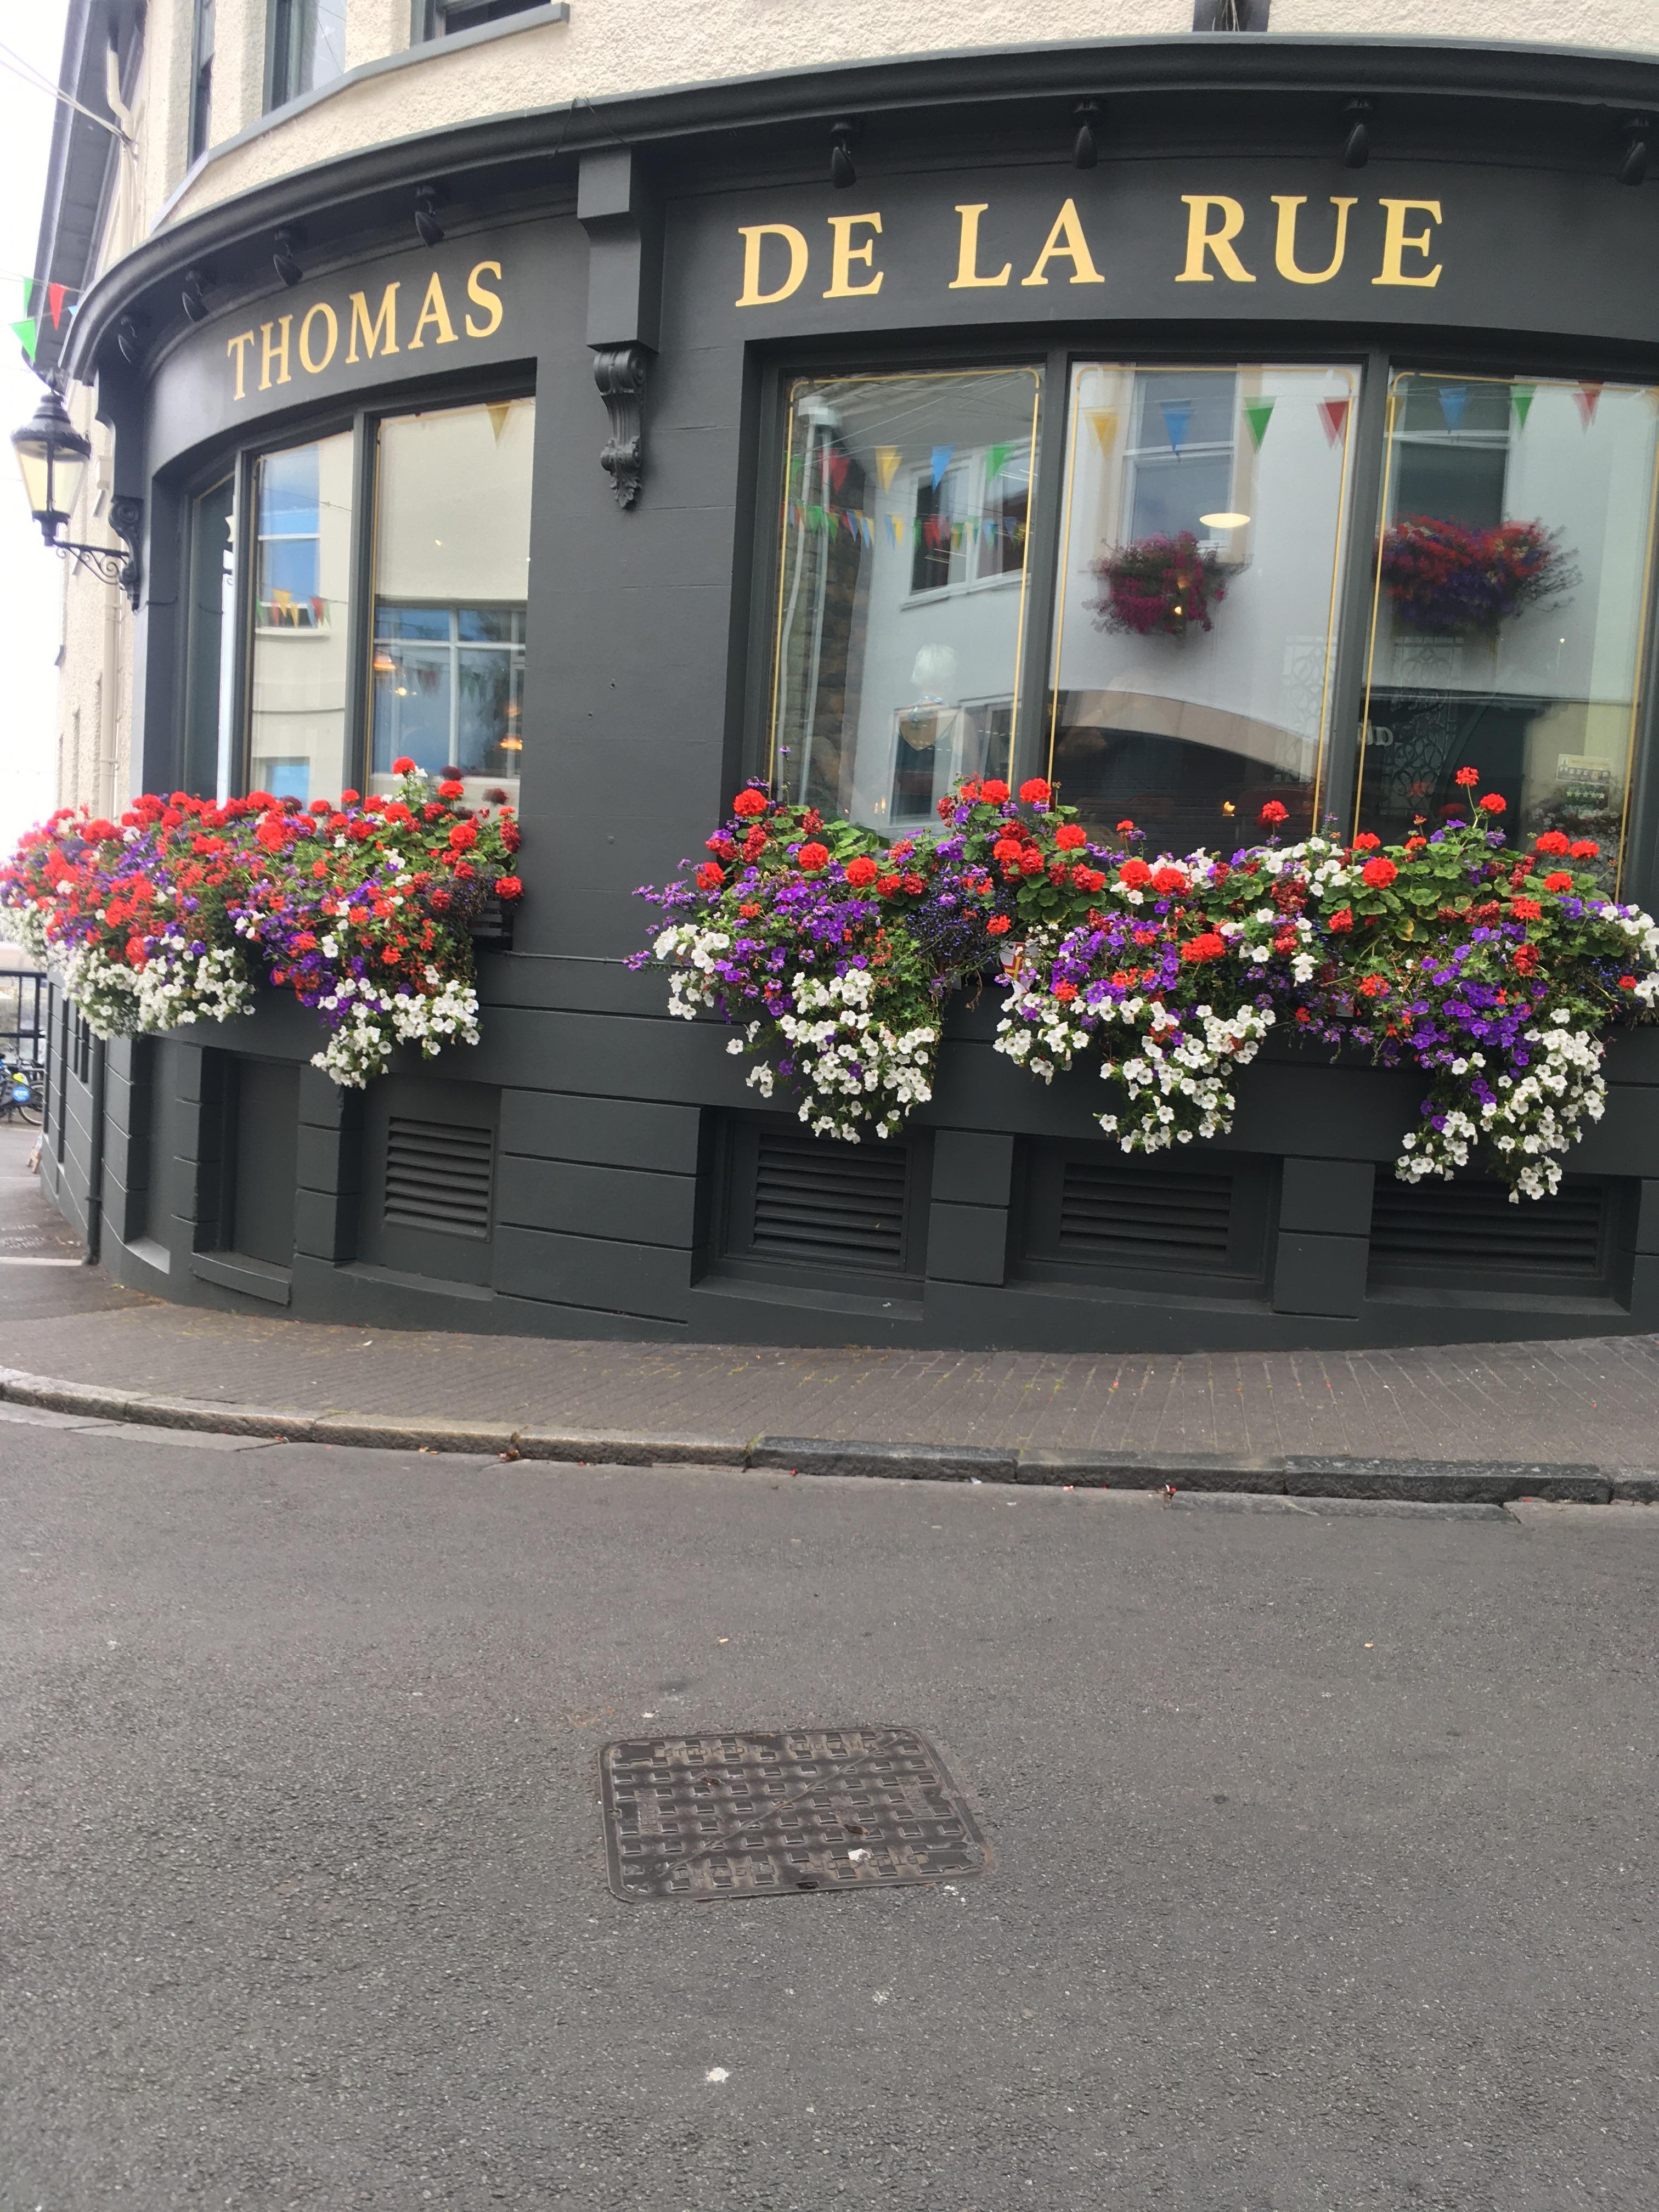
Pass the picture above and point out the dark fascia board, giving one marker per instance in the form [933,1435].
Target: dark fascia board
[1423,70]
[81,164]
[532,19]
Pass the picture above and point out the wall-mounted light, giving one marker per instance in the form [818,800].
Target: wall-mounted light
[285,244]
[428,198]
[843,136]
[52,458]
[1357,141]
[128,338]
[1633,161]
[1085,146]
[197,284]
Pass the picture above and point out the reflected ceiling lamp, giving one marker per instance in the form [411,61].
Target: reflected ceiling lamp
[1224,521]
[52,458]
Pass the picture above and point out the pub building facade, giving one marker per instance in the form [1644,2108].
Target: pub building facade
[617,450]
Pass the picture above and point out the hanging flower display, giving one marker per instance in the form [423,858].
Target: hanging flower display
[362,908]
[1447,581]
[1494,972]
[1160,586]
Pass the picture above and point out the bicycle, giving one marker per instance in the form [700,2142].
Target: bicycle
[20,1094]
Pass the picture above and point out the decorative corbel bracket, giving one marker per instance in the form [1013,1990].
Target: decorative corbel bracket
[619,372]
[619,204]
[126,519]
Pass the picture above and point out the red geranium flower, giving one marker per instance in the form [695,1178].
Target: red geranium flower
[1007,849]
[995,793]
[1557,880]
[1366,842]
[462,835]
[914,884]
[1273,813]
[1064,990]
[750,803]
[347,797]
[1169,881]
[1526,909]
[811,857]
[1208,946]
[1035,791]
[450,788]
[998,926]
[1468,777]
[1552,841]
[403,765]
[1493,802]
[509,887]
[1126,827]
[1586,848]
[1135,875]
[861,872]
[1379,873]
[710,876]
[1373,987]
[1342,918]
[1627,983]
[1089,879]
[1070,835]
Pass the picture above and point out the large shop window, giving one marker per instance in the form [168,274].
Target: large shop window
[452,570]
[302,630]
[1195,629]
[1512,587]
[904,537]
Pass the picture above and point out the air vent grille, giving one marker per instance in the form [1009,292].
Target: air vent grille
[1456,1228]
[438,1176]
[1113,1212]
[818,1198]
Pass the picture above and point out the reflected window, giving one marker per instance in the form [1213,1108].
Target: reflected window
[1510,605]
[902,588]
[451,566]
[1194,622]
[302,567]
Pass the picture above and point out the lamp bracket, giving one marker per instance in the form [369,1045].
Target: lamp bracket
[108,563]
[619,372]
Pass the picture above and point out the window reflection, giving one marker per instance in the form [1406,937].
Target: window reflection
[211,639]
[451,566]
[1511,578]
[905,528]
[302,565]
[1194,633]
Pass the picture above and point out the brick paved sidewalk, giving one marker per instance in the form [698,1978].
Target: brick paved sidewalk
[1592,1400]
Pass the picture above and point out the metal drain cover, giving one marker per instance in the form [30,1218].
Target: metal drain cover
[743,1816]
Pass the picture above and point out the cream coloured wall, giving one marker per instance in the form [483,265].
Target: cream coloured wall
[613,46]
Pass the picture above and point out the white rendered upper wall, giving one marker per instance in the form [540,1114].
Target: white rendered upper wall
[609,47]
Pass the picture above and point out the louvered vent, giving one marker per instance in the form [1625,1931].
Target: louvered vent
[438,1176]
[1111,1213]
[1455,1228]
[816,1198]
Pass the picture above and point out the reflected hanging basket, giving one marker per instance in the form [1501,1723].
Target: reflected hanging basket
[1444,580]
[1160,586]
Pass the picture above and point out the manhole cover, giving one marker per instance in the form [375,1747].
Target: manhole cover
[743,1816]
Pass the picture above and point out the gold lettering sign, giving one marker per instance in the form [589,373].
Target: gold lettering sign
[372,332]
[1215,221]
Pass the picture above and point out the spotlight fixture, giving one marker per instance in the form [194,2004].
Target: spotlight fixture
[197,283]
[842,139]
[1086,147]
[282,257]
[127,338]
[428,198]
[1356,145]
[1633,161]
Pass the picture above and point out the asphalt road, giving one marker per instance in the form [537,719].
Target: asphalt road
[1325,1844]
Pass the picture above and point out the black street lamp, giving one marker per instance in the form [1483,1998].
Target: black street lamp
[53,456]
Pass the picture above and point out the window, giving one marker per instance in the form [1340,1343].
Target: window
[438,19]
[307,46]
[1509,607]
[902,587]
[209,766]
[452,580]
[301,634]
[200,91]
[1193,639]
